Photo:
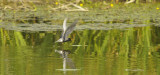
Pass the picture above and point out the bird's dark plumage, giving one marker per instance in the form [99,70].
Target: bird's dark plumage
[67,31]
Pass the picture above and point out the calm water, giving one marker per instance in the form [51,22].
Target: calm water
[127,51]
[123,40]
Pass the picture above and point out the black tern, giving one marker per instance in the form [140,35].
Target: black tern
[67,31]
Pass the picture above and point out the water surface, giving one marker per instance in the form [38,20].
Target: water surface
[133,50]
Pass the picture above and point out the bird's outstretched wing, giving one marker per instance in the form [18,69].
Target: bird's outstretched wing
[70,29]
[64,24]
[64,28]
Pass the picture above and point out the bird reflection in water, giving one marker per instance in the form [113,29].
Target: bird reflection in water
[66,60]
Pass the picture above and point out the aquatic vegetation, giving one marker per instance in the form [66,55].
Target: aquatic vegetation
[110,38]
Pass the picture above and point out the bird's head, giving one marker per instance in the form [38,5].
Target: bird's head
[69,39]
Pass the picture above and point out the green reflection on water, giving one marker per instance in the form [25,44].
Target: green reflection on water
[118,52]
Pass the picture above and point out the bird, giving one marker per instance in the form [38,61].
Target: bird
[67,31]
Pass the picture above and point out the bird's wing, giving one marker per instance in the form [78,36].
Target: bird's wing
[64,27]
[70,29]
[64,24]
